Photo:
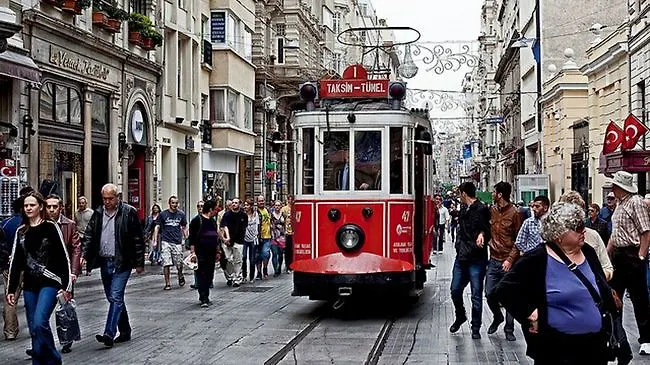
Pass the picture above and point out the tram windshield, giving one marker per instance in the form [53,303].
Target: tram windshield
[344,172]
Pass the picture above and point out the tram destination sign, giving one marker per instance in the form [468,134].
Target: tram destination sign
[353,88]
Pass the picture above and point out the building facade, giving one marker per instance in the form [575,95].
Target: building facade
[19,76]
[94,112]
[566,130]
[607,71]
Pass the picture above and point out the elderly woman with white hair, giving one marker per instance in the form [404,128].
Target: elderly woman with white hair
[549,291]
[592,238]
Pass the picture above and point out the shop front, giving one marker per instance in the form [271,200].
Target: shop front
[220,175]
[180,165]
[632,161]
[90,94]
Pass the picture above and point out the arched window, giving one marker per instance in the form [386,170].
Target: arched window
[60,104]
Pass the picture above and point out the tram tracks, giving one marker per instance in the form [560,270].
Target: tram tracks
[372,358]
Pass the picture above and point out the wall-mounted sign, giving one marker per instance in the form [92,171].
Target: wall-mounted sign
[218,27]
[137,125]
[189,143]
[80,65]
[494,120]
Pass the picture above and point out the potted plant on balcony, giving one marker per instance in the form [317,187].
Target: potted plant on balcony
[137,24]
[99,14]
[151,39]
[115,17]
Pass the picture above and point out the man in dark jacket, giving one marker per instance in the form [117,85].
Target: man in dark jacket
[471,258]
[114,242]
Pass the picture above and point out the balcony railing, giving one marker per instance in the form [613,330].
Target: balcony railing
[207,52]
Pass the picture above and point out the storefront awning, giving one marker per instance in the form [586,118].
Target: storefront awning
[17,66]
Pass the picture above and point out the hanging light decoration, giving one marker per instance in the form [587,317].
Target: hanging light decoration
[408,69]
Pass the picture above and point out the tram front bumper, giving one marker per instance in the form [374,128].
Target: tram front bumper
[340,274]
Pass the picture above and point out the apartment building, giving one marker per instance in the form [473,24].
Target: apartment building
[228,128]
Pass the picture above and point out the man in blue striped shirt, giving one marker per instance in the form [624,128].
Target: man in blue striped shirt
[529,236]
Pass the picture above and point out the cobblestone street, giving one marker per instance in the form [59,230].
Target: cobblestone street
[261,323]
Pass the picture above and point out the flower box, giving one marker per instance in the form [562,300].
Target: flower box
[69,6]
[135,38]
[148,44]
[99,18]
[113,25]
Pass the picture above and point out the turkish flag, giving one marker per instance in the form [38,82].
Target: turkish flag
[614,136]
[634,130]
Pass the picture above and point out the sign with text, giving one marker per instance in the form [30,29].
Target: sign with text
[401,231]
[339,89]
[218,27]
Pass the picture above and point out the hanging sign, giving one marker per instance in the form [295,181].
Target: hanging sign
[355,84]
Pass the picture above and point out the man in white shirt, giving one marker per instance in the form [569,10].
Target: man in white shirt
[442,219]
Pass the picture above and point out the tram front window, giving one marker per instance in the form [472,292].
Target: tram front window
[336,168]
[367,160]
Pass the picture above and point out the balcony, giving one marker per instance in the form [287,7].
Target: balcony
[226,138]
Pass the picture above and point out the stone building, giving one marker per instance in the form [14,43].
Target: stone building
[95,110]
[607,71]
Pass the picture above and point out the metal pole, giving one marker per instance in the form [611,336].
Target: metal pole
[538,74]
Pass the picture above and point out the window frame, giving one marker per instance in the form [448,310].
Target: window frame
[68,90]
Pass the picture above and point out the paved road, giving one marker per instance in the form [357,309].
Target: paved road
[261,323]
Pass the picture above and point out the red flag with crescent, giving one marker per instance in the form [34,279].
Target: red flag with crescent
[634,130]
[614,136]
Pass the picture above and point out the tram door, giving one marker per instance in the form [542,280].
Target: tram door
[420,151]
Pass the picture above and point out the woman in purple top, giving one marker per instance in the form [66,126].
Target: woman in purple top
[561,322]
[203,246]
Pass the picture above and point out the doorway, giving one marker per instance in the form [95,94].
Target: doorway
[99,173]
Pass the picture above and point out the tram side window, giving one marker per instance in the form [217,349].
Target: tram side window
[308,160]
[396,160]
[336,157]
[367,160]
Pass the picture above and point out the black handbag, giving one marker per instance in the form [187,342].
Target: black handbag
[617,346]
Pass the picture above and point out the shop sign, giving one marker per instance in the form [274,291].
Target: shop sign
[189,143]
[137,126]
[76,64]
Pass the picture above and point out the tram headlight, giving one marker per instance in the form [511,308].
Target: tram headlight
[350,237]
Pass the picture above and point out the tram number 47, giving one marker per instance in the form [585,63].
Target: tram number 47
[406,216]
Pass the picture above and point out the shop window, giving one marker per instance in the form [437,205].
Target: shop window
[59,103]
[396,160]
[308,160]
[367,160]
[100,113]
[336,173]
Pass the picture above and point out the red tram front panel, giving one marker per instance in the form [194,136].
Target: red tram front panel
[400,228]
[304,231]
[351,213]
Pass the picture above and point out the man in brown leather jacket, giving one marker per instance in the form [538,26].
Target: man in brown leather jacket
[54,206]
[505,222]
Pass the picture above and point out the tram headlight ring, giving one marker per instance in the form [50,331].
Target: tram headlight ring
[350,237]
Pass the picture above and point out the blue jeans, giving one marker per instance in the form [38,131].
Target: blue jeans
[473,273]
[249,260]
[114,287]
[264,250]
[39,306]
[278,254]
[494,275]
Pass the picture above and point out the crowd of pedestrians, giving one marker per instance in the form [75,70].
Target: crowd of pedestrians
[534,262]
[42,252]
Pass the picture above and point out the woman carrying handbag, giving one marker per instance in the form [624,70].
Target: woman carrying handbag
[39,252]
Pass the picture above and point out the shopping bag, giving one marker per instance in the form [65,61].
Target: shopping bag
[191,262]
[67,323]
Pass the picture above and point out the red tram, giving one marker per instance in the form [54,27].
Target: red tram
[363,208]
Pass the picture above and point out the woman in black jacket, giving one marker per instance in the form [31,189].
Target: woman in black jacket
[40,252]
[561,321]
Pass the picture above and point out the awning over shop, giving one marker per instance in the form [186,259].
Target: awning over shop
[631,161]
[17,66]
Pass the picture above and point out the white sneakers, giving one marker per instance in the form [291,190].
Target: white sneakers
[645,349]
